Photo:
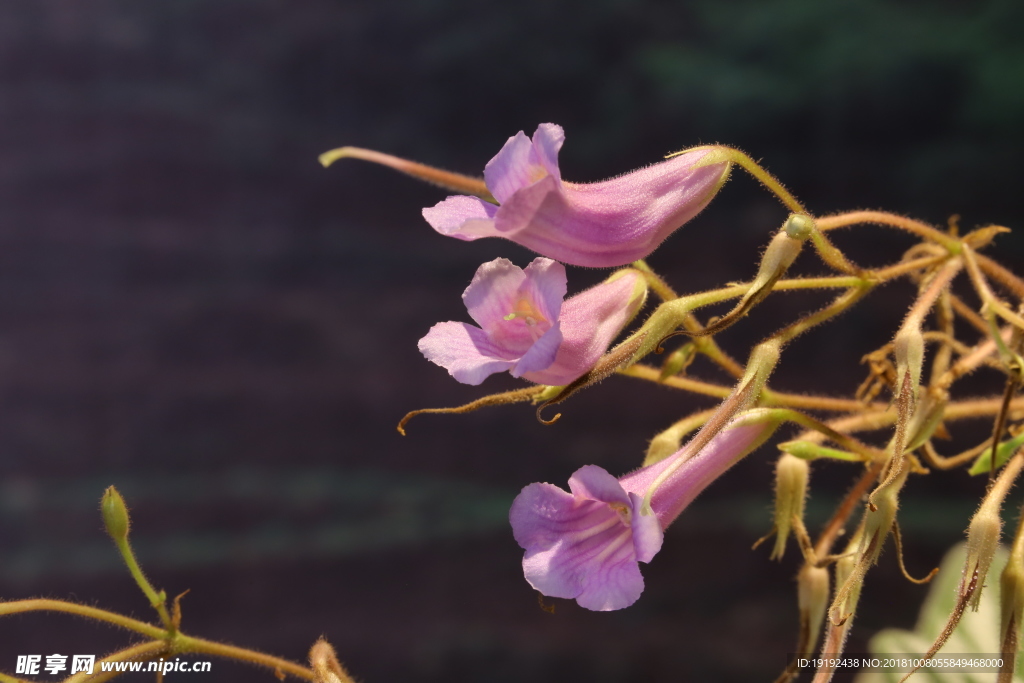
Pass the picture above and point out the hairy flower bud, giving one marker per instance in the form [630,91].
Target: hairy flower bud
[812,597]
[908,347]
[115,514]
[982,542]
[791,475]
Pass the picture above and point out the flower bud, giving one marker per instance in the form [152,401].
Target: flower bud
[791,474]
[325,665]
[115,514]
[678,361]
[1012,601]
[908,347]
[799,226]
[982,542]
[777,258]
[812,597]
[879,520]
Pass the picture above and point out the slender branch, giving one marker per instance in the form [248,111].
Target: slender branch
[143,651]
[910,225]
[188,644]
[435,176]
[1001,275]
[47,605]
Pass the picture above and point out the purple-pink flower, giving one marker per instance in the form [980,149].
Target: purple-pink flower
[527,329]
[586,543]
[603,224]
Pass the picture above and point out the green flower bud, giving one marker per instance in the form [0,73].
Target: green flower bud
[908,347]
[791,475]
[982,542]
[799,226]
[812,598]
[115,514]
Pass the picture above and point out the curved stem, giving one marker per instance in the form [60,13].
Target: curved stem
[46,605]
[188,644]
[1001,275]
[842,220]
[748,164]
[435,176]
[143,651]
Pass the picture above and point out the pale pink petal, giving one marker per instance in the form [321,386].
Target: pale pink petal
[514,167]
[493,292]
[547,141]
[698,471]
[505,300]
[465,351]
[590,322]
[462,217]
[575,548]
[616,581]
[647,532]
[541,354]
[546,285]
[613,222]
[591,481]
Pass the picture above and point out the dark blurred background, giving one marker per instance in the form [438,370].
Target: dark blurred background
[192,309]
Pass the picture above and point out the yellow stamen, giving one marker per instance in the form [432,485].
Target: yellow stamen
[527,312]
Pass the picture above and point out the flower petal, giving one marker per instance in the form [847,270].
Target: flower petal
[614,582]
[590,321]
[514,167]
[575,548]
[466,218]
[593,482]
[612,222]
[541,354]
[546,284]
[547,141]
[492,293]
[465,351]
[647,532]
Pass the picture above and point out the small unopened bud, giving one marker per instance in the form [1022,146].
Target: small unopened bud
[791,474]
[982,542]
[812,598]
[678,361]
[1011,599]
[799,226]
[115,514]
[778,257]
[881,513]
[325,665]
[908,347]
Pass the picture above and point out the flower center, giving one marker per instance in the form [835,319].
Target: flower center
[625,513]
[525,310]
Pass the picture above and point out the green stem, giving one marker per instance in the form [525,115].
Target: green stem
[143,651]
[842,220]
[157,600]
[744,161]
[46,605]
[187,644]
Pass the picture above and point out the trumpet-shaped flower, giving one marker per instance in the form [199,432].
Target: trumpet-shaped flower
[586,543]
[603,224]
[527,329]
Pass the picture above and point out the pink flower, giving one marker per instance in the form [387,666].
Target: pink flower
[526,328]
[603,224]
[586,543]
